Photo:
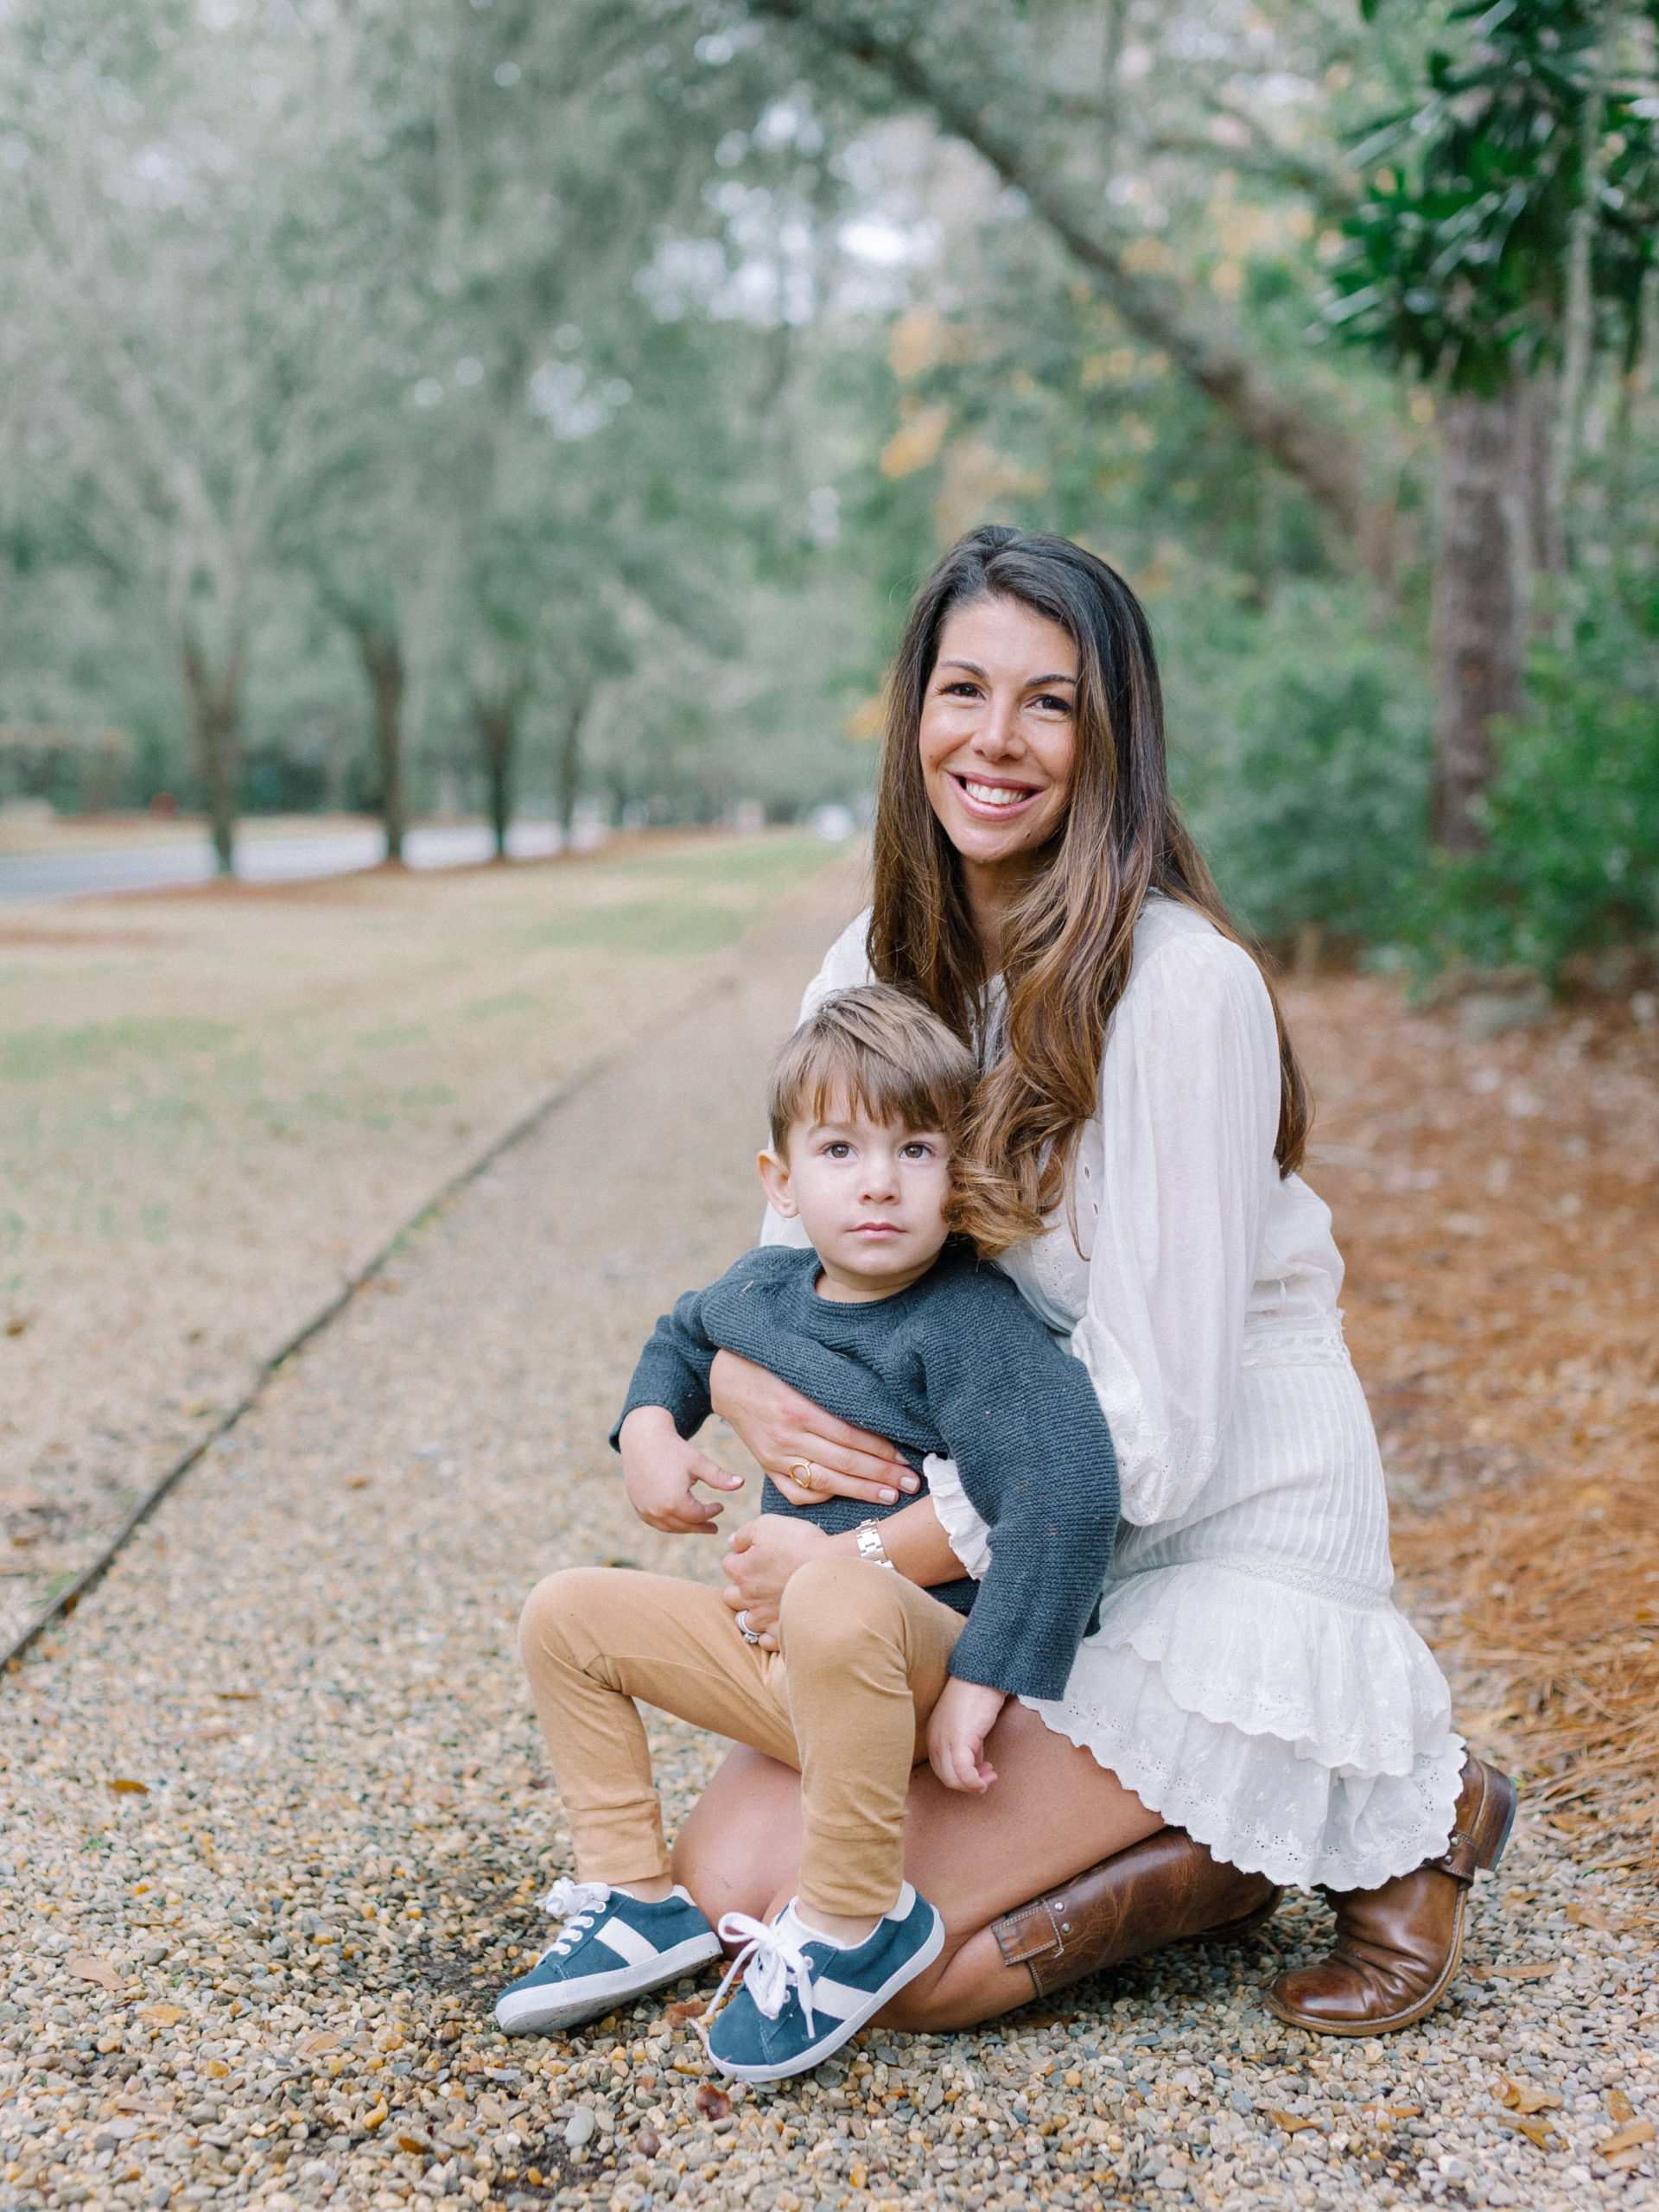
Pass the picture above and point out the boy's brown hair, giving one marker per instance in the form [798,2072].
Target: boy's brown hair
[877,1049]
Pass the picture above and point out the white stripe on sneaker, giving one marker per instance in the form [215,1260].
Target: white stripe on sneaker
[628,1942]
[836,2000]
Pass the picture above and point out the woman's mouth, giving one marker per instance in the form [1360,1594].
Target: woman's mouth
[992,800]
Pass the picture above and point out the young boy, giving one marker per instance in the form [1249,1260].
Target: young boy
[892,1324]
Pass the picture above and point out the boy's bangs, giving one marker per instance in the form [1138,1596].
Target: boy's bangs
[874,1052]
[864,1082]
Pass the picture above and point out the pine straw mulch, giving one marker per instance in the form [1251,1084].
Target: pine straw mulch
[1497,1203]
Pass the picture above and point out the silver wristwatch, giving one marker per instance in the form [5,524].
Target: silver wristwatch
[870,1546]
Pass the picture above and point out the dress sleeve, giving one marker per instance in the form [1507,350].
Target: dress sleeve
[1189,1114]
[846,965]
[969,1537]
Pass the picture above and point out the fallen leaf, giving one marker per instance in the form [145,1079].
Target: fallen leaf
[98,1970]
[1533,1970]
[1639,2131]
[692,2009]
[1619,2107]
[1536,2131]
[161,2016]
[1289,2121]
[1590,1916]
[124,1786]
[712,2103]
[1522,2097]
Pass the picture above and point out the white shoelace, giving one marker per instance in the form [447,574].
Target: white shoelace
[769,1962]
[578,1904]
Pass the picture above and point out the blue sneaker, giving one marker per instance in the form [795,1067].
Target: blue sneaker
[611,1948]
[801,1997]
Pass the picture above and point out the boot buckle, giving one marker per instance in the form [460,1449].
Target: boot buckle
[1460,1859]
[1035,1931]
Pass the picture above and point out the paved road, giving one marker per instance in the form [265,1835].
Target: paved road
[258,859]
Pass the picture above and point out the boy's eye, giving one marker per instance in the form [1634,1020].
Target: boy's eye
[917,1150]
[838,1150]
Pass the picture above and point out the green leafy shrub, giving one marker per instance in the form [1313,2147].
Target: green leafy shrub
[1310,798]
[1571,861]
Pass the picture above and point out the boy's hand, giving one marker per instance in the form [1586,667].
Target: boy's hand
[658,1468]
[963,1718]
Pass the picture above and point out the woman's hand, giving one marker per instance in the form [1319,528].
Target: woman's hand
[764,1553]
[658,1468]
[963,1718]
[783,1429]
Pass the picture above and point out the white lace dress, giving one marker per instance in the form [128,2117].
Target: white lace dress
[1251,1679]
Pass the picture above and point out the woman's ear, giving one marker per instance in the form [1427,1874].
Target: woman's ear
[775,1176]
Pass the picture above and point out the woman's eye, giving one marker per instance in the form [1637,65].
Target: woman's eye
[1053,705]
[918,1152]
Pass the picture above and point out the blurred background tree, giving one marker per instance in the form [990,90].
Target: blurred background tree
[481,406]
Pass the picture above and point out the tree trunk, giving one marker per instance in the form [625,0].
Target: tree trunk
[383,663]
[212,708]
[1479,611]
[569,771]
[496,731]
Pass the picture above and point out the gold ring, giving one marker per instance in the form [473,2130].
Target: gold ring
[801,1472]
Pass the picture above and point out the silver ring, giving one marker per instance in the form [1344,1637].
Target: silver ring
[743,1628]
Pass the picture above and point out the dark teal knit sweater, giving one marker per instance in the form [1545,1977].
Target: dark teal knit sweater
[959,1365]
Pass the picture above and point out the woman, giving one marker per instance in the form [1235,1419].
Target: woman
[1252,1711]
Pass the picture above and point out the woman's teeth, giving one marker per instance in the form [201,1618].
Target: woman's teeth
[993,794]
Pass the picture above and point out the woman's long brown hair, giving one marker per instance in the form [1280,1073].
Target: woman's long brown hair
[1069,943]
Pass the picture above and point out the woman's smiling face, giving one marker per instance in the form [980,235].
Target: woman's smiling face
[998,731]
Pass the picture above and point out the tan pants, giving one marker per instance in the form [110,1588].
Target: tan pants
[846,1701]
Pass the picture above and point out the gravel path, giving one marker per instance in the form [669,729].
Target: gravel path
[276,1821]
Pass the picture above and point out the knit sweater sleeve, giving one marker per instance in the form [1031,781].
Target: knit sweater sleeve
[673,1369]
[1035,1457]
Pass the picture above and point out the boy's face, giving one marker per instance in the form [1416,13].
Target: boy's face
[871,1197]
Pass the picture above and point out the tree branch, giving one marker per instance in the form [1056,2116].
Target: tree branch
[1324,459]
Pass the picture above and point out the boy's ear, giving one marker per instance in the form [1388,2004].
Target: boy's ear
[774,1175]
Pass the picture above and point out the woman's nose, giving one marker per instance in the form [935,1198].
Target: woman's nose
[999,733]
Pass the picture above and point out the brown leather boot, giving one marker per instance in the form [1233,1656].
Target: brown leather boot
[1165,1889]
[1398,1947]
